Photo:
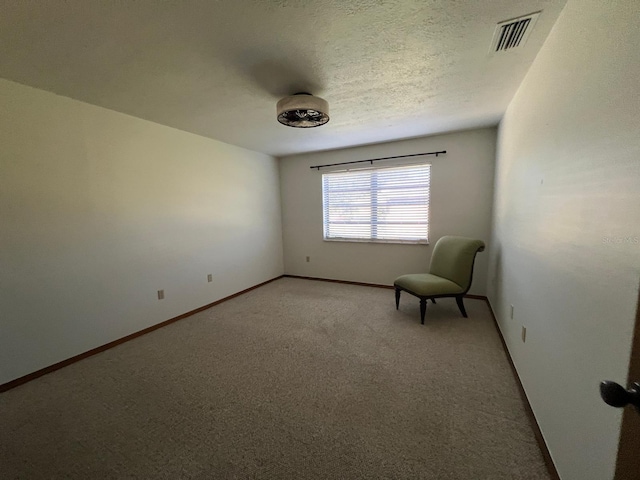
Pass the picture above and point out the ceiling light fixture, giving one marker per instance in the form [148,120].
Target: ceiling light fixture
[303,110]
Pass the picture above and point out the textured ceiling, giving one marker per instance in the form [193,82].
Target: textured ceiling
[389,69]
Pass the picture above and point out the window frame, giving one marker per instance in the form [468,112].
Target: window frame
[375,205]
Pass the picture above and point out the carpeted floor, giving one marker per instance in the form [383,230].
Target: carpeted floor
[297,379]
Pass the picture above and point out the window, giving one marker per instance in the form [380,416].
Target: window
[377,205]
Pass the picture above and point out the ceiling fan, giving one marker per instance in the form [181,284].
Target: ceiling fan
[302,110]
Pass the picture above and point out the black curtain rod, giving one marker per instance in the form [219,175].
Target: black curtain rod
[382,158]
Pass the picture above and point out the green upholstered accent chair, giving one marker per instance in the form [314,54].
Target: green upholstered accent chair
[450,273]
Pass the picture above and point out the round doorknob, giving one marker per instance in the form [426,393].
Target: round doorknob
[616,395]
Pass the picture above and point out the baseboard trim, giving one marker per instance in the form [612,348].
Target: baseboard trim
[551,467]
[57,366]
[476,297]
[362,284]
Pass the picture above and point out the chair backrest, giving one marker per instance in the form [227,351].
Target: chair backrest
[453,259]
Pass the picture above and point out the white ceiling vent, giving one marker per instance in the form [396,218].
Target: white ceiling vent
[513,33]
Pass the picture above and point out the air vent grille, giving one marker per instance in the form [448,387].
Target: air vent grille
[512,34]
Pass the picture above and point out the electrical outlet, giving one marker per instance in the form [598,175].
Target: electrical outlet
[160,294]
[511,312]
[210,278]
[308,259]
[524,334]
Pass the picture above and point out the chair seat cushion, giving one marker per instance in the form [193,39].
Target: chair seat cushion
[426,284]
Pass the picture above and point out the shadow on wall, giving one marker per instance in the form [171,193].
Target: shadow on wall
[495,277]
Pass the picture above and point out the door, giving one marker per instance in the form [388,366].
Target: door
[628,461]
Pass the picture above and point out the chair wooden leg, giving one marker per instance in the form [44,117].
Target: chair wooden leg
[461,306]
[423,309]
[397,298]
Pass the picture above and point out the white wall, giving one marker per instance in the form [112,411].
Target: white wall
[99,210]
[461,197]
[566,244]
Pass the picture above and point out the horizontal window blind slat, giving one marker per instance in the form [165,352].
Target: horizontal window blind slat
[377,204]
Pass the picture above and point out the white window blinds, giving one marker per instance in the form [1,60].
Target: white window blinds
[383,204]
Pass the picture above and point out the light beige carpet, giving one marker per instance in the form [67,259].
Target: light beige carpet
[297,379]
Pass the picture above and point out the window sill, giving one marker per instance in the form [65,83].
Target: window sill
[370,240]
